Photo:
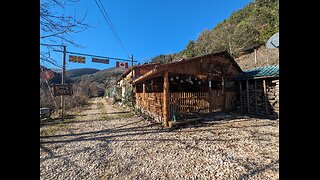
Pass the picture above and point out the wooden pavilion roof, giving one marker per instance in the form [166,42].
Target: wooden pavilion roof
[183,68]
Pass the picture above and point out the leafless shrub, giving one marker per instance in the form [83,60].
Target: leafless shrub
[82,91]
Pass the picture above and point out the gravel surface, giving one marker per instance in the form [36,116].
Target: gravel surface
[107,142]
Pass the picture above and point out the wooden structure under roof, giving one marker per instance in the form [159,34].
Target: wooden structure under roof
[200,84]
[124,82]
[259,91]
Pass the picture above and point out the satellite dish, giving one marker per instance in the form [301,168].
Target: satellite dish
[273,41]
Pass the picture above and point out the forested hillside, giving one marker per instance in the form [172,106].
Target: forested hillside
[245,29]
[80,72]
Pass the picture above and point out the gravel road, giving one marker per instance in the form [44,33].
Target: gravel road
[107,142]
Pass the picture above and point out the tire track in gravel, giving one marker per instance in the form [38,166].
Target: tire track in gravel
[79,149]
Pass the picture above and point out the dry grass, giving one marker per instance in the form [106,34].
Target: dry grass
[265,57]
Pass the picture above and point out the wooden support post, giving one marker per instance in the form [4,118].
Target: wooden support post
[241,104]
[133,74]
[165,98]
[255,95]
[224,94]
[210,95]
[248,103]
[265,95]
[144,94]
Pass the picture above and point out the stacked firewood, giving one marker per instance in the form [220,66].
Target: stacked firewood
[261,102]
[273,95]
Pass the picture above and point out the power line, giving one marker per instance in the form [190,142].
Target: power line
[107,18]
[113,29]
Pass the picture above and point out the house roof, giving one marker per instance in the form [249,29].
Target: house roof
[220,53]
[124,74]
[142,65]
[261,72]
[160,68]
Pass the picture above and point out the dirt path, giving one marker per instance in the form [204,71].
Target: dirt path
[105,142]
[78,148]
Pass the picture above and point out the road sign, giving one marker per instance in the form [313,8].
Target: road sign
[106,61]
[47,74]
[62,89]
[77,59]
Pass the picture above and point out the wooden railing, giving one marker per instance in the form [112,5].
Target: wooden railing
[181,103]
[188,102]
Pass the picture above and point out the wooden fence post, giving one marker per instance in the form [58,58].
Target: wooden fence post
[224,94]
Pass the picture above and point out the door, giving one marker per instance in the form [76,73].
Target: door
[216,94]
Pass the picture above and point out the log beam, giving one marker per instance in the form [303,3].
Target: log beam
[144,94]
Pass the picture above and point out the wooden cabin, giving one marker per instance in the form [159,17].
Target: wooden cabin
[259,91]
[126,78]
[198,85]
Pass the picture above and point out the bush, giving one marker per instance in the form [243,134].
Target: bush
[128,97]
[82,91]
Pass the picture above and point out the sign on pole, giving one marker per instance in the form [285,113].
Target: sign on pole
[77,59]
[106,61]
[62,89]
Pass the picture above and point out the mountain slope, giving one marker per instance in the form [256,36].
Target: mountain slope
[113,70]
[80,72]
[100,76]
[245,29]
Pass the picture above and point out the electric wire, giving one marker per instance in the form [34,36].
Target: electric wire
[107,18]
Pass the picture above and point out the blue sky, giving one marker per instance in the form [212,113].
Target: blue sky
[147,28]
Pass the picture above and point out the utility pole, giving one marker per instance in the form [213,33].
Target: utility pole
[83,54]
[62,78]
[132,80]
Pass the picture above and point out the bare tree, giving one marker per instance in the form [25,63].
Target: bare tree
[56,27]
[204,42]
